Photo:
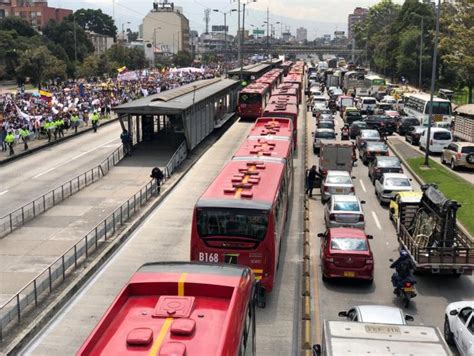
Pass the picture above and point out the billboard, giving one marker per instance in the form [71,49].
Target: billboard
[220,28]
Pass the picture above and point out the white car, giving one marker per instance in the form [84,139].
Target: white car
[376,314]
[459,326]
[390,184]
[344,211]
[336,182]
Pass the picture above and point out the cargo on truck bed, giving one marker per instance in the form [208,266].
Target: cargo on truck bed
[353,338]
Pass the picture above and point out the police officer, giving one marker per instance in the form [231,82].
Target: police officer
[25,134]
[95,120]
[10,141]
[75,121]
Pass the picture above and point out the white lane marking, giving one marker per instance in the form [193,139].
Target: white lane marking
[377,222]
[362,185]
[72,159]
[5,191]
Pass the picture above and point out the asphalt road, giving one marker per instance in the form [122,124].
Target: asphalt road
[434,292]
[164,236]
[27,178]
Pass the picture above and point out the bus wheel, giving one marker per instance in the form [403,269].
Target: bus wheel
[261,297]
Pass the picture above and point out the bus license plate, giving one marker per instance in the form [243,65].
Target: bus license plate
[349,274]
[231,258]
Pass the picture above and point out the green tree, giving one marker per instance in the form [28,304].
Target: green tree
[17,24]
[40,65]
[95,21]
[62,34]
[132,36]
[456,45]
[132,58]
[183,59]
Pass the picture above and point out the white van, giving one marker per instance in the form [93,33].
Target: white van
[440,138]
[366,103]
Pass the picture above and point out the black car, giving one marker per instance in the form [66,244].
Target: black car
[371,149]
[351,116]
[404,123]
[378,122]
[413,134]
[355,128]
[384,164]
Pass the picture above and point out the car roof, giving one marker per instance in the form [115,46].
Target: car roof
[387,158]
[439,129]
[368,130]
[343,197]
[380,314]
[395,175]
[338,173]
[464,144]
[410,197]
[347,232]
[324,130]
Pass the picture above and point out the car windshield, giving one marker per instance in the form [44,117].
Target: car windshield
[389,162]
[349,244]
[442,135]
[412,122]
[376,146]
[232,223]
[338,180]
[369,101]
[469,149]
[360,125]
[324,134]
[370,134]
[353,113]
[346,206]
[398,182]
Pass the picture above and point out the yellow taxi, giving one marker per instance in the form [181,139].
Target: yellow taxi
[403,206]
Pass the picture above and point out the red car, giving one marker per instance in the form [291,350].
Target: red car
[346,253]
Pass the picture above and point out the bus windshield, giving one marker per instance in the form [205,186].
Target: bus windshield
[250,98]
[232,222]
[439,108]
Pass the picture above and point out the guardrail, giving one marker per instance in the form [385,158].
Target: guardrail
[30,296]
[29,211]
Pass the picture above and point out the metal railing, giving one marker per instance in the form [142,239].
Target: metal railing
[42,285]
[29,211]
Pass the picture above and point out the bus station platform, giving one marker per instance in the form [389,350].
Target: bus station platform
[30,249]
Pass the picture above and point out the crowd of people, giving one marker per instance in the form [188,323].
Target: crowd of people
[50,112]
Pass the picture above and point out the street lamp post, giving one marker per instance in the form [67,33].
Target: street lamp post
[421,48]
[226,49]
[433,79]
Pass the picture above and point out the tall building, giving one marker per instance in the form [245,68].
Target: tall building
[36,12]
[166,27]
[301,34]
[359,15]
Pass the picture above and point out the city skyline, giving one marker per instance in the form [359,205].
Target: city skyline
[319,17]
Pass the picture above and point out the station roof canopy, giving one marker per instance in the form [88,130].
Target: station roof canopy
[251,69]
[176,101]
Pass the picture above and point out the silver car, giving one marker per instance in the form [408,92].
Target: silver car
[376,314]
[336,182]
[344,211]
[390,184]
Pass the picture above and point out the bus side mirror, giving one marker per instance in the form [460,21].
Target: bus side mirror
[370,237]
[409,317]
[342,314]
[320,234]
[362,201]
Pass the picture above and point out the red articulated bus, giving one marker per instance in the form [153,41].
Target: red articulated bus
[252,101]
[272,126]
[179,308]
[283,99]
[288,111]
[241,218]
[286,66]
[294,79]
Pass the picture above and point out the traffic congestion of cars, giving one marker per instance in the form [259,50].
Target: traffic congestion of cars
[345,251]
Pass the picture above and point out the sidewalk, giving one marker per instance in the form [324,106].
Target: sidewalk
[29,250]
[38,144]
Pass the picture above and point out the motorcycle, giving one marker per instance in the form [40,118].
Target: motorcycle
[406,291]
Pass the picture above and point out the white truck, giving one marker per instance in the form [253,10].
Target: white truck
[337,156]
[351,338]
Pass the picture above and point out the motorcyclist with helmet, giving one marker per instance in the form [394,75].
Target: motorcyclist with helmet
[345,132]
[404,268]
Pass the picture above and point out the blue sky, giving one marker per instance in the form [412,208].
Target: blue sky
[318,16]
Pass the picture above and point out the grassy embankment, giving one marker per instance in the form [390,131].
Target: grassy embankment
[452,186]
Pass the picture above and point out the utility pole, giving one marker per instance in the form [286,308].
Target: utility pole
[239,53]
[433,79]
[225,42]
[242,43]
[421,54]
[268,28]
[75,36]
